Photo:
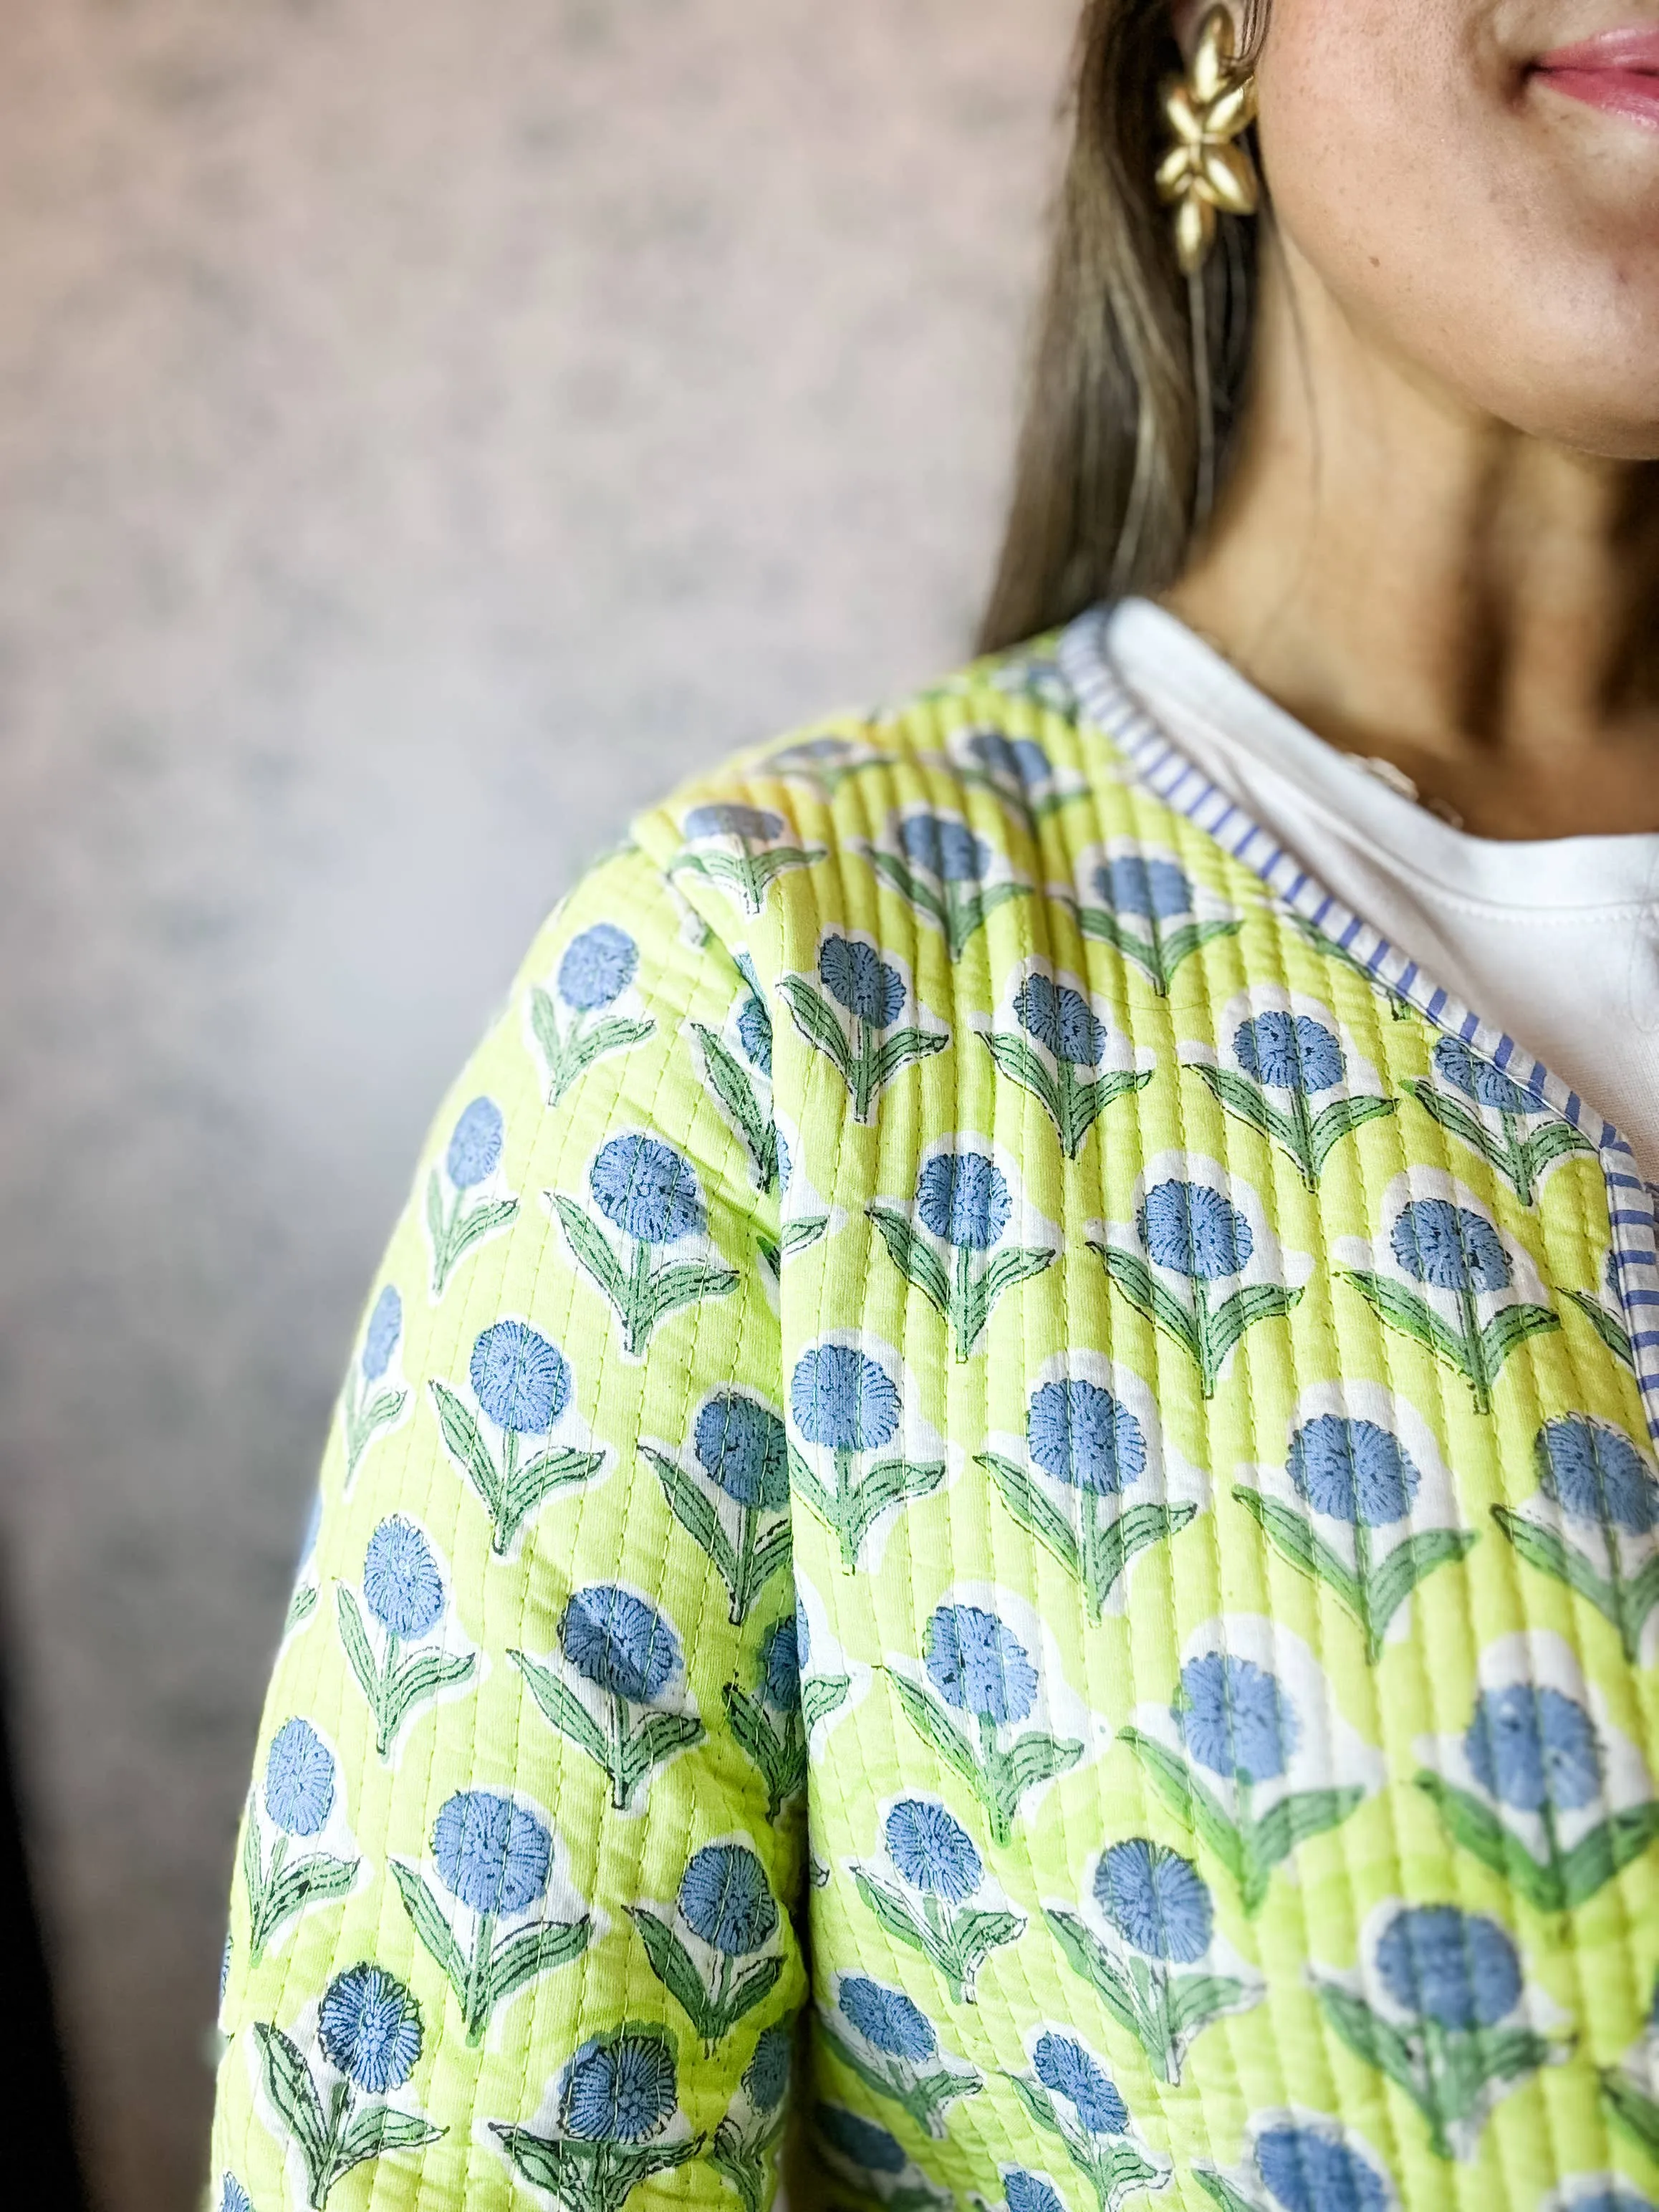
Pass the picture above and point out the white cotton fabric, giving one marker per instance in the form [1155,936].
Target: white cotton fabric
[1555,941]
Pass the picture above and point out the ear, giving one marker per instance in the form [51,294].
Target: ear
[1188,17]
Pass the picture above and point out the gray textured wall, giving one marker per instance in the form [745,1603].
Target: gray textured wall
[424,430]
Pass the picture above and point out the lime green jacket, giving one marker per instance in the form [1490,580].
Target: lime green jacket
[995,1514]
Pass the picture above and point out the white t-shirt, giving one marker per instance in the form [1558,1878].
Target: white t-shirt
[1555,943]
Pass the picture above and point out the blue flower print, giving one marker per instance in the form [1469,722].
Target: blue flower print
[298,1780]
[846,1405]
[740,1446]
[937,1862]
[455,1226]
[765,849]
[737,1075]
[1188,1230]
[1457,1977]
[475,1147]
[1057,1020]
[1601,1483]
[827,762]
[1066,2068]
[1145,911]
[781,1666]
[1236,1719]
[1155,1899]
[370,2029]
[1080,1434]
[1239,1723]
[300,1792]
[626,1650]
[893,2050]
[370,2032]
[766,2077]
[495,1858]
[1452,1250]
[725,1899]
[380,1338]
[1458,1969]
[1070,2094]
[1028,2193]
[963,1200]
[491,1855]
[620,2089]
[943,870]
[1353,1471]
[1523,1154]
[650,1194]
[745,2143]
[858,2142]
[1290,1051]
[1193,1231]
[233,2198]
[852,1020]
[576,1023]
[371,1405]
[598,967]
[1063,1022]
[1358,1474]
[1018,761]
[1019,772]
[978,1666]
[755,1033]
[1161,1915]
[1535,1751]
[402,1586]
[521,1382]
[1305,2170]
[1610,2200]
[1289,1061]
[886,2018]
[769,1724]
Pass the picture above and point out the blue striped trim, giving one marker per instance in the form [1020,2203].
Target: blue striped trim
[1166,772]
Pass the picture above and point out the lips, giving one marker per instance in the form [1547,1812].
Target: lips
[1617,72]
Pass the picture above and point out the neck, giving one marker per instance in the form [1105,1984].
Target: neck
[1420,584]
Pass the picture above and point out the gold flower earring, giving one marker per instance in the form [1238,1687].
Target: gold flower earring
[1206,173]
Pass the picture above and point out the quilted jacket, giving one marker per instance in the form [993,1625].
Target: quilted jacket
[995,1516]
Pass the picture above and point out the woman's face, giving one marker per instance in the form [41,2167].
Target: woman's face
[1476,184]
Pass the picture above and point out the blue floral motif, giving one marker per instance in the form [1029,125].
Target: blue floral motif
[1082,1436]
[965,1200]
[1028,2193]
[1353,1471]
[647,1190]
[491,1854]
[1595,1472]
[619,2089]
[780,1680]
[1016,760]
[401,1583]
[598,967]
[370,2028]
[767,2074]
[1195,1232]
[1156,1900]
[750,824]
[742,1449]
[945,849]
[842,1401]
[1450,1248]
[1480,1080]
[979,1666]
[618,1643]
[887,2018]
[802,1636]
[1236,1719]
[1459,1969]
[1063,1022]
[1293,1053]
[1065,2067]
[386,1326]
[298,1780]
[755,1033]
[860,2142]
[233,2198]
[1535,1749]
[521,1382]
[725,1899]
[857,978]
[1610,2200]
[933,1851]
[475,1146]
[1154,890]
[1307,2170]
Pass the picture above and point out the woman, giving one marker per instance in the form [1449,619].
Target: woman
[996,1513]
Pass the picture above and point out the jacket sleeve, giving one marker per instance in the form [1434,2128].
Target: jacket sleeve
[514,1912]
